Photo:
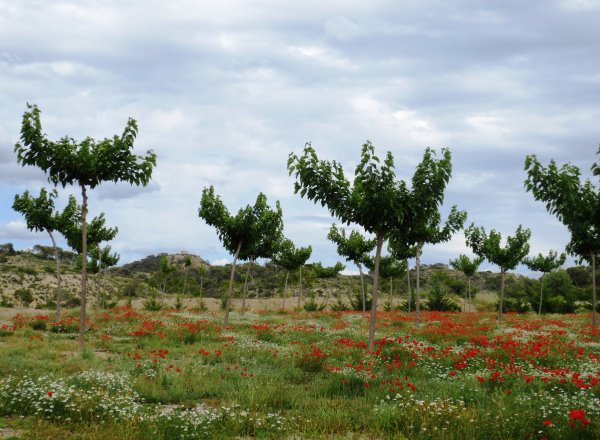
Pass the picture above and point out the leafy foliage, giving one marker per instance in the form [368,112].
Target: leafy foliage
[255,231]
[490,248]
[439,299]
[327,272]
[465,265]
[87,164]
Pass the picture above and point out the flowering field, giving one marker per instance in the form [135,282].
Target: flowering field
[175,374]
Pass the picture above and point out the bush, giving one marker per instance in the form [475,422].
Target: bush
[5,302]
[312,305]
[152,304]
[439,300]
[38,325]
[24,295]
[339,306]
[356,301]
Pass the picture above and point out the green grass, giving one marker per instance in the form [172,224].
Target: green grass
[167,375]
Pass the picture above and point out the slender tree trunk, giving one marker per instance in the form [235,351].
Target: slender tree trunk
[301,292]
[57,259]
[541,293]
[287,275]
[373,317]
[417,288]
[594,313]
[408,282]
[245,288]
[468,291]
[185,280]
[84,208]
[502,273]
[362,288]
[230,288]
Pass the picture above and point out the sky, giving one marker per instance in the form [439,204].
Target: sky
[224,90]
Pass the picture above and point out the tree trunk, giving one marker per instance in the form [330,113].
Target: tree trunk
[408,282]
[245,288]
[541,293]
[57,258]
[468,292]
[373,317]
[185,280]
[83,267]
[417,287]
[300,293]
[362,288]
[230,288]
[287,275]
[502,273]
[594,314]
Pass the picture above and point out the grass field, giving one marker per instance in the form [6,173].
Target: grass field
[284,374]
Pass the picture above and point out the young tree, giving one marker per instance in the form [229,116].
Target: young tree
[252,228]
[507,257]
[468,268]
[101,259]
[291,258]
[427,195]
[165,270]
[575,203]
[327,272]
[355,248]
[545,264]
[87,164]
[400,250]
[375,200]
[40,216]
[97,232]
[187,263]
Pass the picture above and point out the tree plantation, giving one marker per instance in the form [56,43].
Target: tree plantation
[276,344]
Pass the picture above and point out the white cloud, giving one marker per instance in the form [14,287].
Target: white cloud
[17,230]
[220,262]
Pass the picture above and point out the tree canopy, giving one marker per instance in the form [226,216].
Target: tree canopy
[355,248]
[253,232]
[40,215]
[545,264]
[489,246]
[375,200]
[86,163]
[575,203]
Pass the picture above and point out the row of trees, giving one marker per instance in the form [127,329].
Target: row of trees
[405,216]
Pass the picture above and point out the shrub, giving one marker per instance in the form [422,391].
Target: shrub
[339,306]
[152,304]
[356,301]
[38,324]
[24,295]
[439,300]
[312,305]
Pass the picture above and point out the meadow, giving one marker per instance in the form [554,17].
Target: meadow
[289,374]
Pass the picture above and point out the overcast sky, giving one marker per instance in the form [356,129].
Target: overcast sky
[224,90]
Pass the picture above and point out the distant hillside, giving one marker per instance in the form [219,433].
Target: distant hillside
[151,263]
[27,278]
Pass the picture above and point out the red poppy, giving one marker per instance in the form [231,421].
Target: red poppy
[547,423]
[50,393]
[577,414]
